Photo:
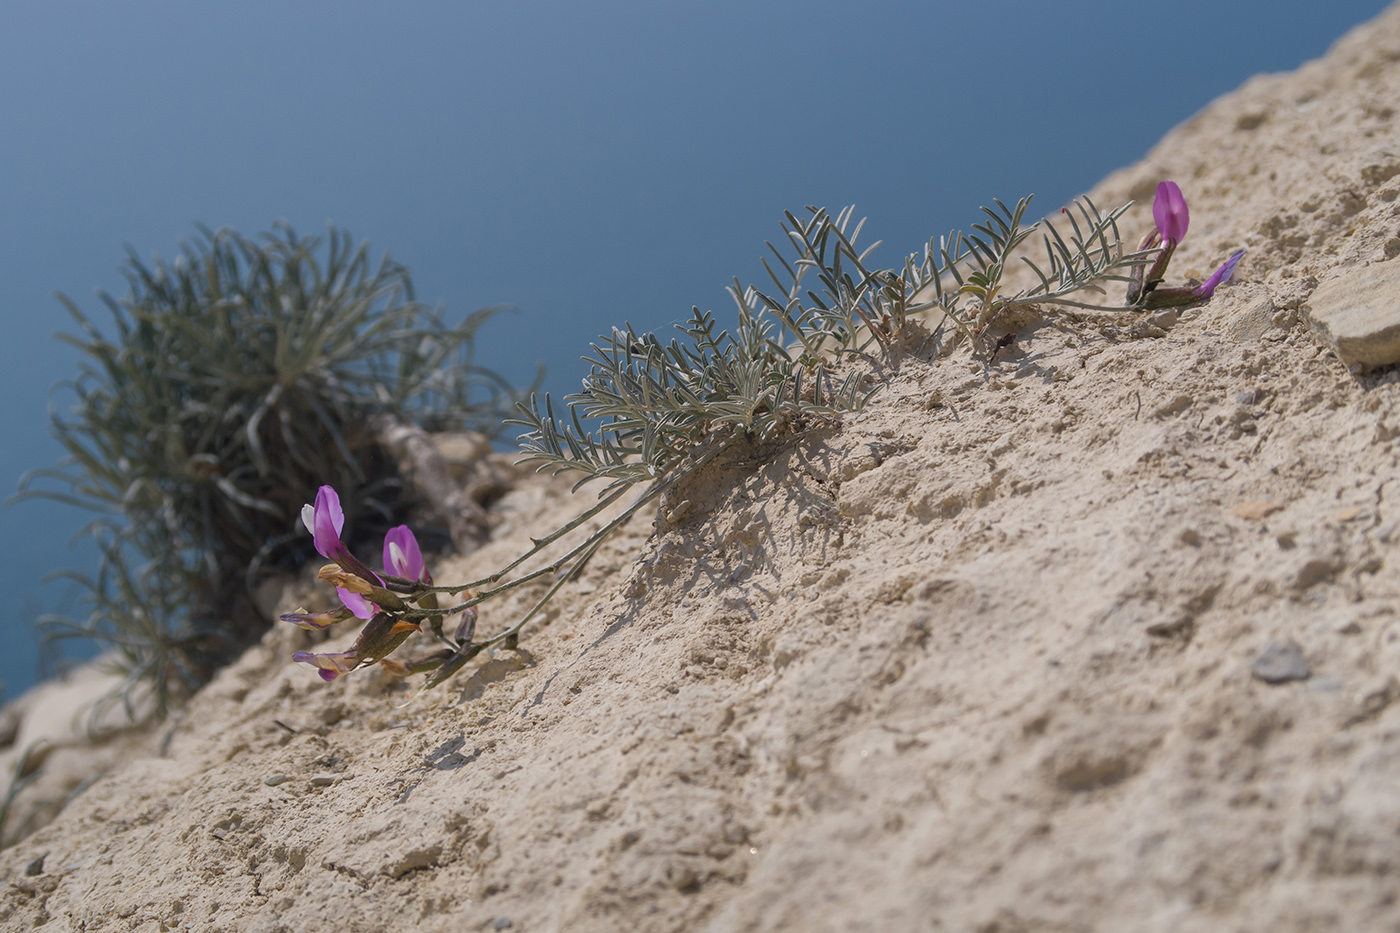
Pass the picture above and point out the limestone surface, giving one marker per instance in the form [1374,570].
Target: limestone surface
[980,657]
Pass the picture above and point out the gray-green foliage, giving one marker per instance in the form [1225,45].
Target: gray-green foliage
[960,275]
[656,401]
[653,402]
[240,377]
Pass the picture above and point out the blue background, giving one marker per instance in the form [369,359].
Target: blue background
[589,163]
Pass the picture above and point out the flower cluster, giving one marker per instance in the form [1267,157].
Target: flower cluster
[1170,213]
[393,603]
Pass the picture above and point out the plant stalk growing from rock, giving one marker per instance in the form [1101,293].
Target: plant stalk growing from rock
[661,411]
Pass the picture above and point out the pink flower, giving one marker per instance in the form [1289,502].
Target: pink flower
[325,520]
[329,666]
[1172,218]
[402,557]
[1222,275]
[1170,213]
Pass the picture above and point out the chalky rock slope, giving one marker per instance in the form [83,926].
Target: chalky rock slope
[1101,636]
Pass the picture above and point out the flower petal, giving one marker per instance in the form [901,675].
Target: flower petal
[356,603]
[331,665]
[327,521]
[402,556]
[1170,212]
[1220,276]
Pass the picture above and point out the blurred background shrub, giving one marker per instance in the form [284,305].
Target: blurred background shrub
[241,377]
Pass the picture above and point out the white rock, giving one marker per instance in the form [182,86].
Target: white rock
[1358,313]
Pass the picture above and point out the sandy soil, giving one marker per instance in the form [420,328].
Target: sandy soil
[1102,636]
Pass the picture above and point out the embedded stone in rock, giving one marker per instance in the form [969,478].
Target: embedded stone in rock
[1280,662]
[1358,313]
[1252,317]
[1165,319]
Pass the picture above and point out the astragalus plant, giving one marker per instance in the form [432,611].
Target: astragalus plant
[652,411]
[239,378]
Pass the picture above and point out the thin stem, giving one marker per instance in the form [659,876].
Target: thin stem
[597,537]
[563,578]
[1041,299]
[539,545]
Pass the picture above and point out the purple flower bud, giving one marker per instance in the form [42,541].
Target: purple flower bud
[402,557]
[1220,276]
[1170,213]
[329,666]
[325,520]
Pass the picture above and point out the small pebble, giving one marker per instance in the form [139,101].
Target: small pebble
[272,780]
[1165,319]
[1280,662]
[323,780]
[686,881]
[36,867]
[503,923]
